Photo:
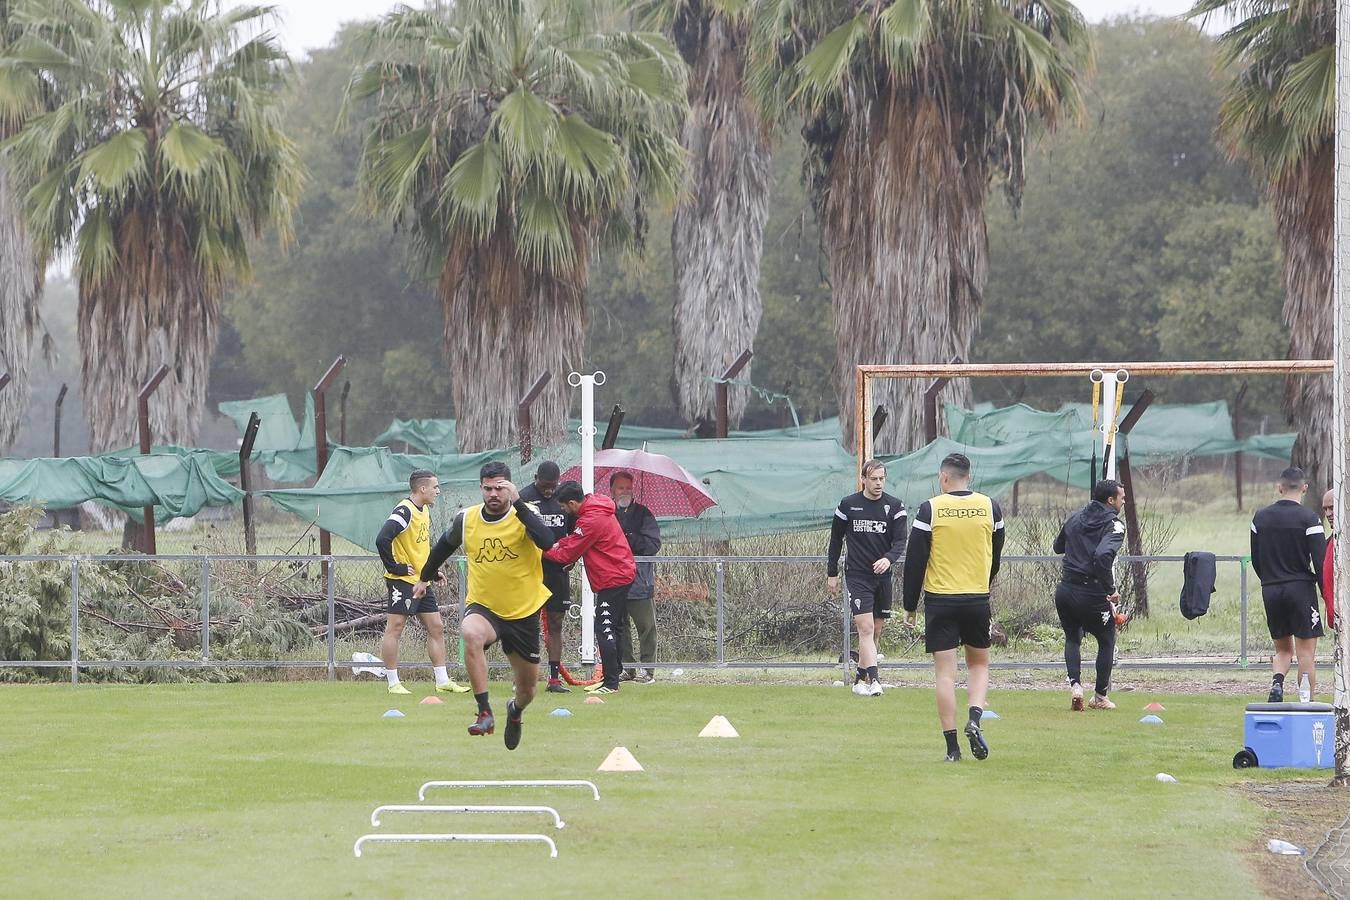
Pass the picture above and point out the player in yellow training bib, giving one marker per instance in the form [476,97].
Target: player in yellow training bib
[503,540]
[955,544]
[403,544]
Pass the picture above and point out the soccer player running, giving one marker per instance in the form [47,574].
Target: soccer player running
[403,544]
[955,544]
[503,542]
[873,523]
[1084,598]
[539,496]
[1288,549]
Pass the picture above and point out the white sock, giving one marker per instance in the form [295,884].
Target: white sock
[441,677]
[392,676]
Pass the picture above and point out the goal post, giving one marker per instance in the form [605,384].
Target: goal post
[865,376]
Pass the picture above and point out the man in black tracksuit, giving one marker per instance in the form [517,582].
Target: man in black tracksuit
[539,495]
[874,524]
[1090,540]
[1288,550]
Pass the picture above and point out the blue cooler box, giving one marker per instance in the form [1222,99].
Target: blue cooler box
[1297,735]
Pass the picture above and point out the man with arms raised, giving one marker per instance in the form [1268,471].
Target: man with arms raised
[503,543]
[873,523]
[955,544]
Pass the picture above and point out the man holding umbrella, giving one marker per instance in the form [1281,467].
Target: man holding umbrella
[644,539]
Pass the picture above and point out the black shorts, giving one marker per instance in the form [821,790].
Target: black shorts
[1083,609]
[950,624]
[869,594]
[560,592]
[518,636]
[398,599]
[1292,609]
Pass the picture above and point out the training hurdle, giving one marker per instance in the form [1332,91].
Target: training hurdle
[413,807]
[454,838]
[422,791]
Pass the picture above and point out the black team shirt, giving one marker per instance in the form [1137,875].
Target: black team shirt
[874,528]
[1288,543]
[551,512]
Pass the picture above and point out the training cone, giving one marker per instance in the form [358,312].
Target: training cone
[1150,720]
[594,700]
[718,726]
[393,714]
[1155,707]
[620,760]
[1165,778]
[988,714]
[563,711]
[432,701]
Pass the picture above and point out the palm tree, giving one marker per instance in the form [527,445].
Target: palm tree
[511,138]
[162,153]
[20,274]
[718,231]
[1278,115]
[911,108]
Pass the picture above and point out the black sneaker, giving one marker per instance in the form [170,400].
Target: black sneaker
[512,735]
[484,724]
[628,675]
[1276,694]
[555,686]
[952,757]
[978,747]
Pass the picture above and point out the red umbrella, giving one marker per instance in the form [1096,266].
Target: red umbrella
[659,482]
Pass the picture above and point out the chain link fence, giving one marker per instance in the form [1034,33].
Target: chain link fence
[216,616]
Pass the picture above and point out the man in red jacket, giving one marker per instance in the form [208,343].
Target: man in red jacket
[1329,566]
[599,541]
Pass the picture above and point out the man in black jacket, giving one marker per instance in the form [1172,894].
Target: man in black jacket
[644,539]
[539,495]
[1086,594]
[1288,549]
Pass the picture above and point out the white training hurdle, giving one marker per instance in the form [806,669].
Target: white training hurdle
[413,807]
[453,838]
[422,791]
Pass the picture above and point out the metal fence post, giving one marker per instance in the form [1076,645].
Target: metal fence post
[206,609]
[1242,591]
[332,624]
[74,621]
[721,617]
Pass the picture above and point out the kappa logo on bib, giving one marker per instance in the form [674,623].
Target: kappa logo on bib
[493,550]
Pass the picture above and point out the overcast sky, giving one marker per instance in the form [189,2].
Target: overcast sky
[312,23]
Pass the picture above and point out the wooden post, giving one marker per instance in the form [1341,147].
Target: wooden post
[143,421]
[245,482]
[1133,538]
[524,420]
[321,448]
[612,430]
[722,392]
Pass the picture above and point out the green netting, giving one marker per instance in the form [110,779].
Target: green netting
[431,435]
[277,428]
[176,485]
[226,465]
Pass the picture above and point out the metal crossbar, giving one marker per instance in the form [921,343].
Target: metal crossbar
[456,838]
[422,791]
[415,807]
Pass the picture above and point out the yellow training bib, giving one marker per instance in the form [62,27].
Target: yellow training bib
[505,570]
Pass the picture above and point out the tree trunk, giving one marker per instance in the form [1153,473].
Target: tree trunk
[503,328]
[718,231]
[156,309]
[908,256]
[20,291]
[1303,216]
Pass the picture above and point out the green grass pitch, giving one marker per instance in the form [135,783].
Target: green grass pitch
[256,790]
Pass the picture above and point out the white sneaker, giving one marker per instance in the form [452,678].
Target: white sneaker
[875,689]
[862,689]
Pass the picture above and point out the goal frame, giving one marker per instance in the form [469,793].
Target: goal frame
[865,376]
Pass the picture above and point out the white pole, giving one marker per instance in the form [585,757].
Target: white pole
[587,383]
[1341,389]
